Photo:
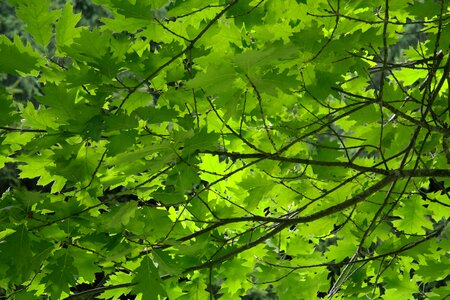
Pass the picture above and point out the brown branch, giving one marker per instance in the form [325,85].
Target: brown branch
[96,170]
[243,139]
[343,115]
[396,252]
[258,96]
[154,176]
[173,19]
[67,217]
[171,31]
[283,221]
[22,129]
[98,290]
[304,219]
[276,157]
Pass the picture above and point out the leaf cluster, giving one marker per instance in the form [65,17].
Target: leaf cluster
[186,149]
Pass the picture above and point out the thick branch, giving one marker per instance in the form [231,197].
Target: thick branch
[276,157]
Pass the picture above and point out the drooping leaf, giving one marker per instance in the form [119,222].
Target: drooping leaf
[65,27]
[148,280]
[61,274]
[39,19]
[18,58]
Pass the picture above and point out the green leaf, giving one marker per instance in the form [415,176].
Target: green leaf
[9,115]
[234,286]
[90,45]
[257,187]
[432,270]
[85,263]
[65,27]
[61,274]
[413,217]
[181,7]
[272,81]
[120,143]
[139,9]
[40,118]
[201,140]
[39,20]
[216,80]
[119,216]
[147,280]
[399,286]
[155,115]
[252,59]
[16,249]
[17,58]
[79,169]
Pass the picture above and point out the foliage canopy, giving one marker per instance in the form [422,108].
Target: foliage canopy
[192,149]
